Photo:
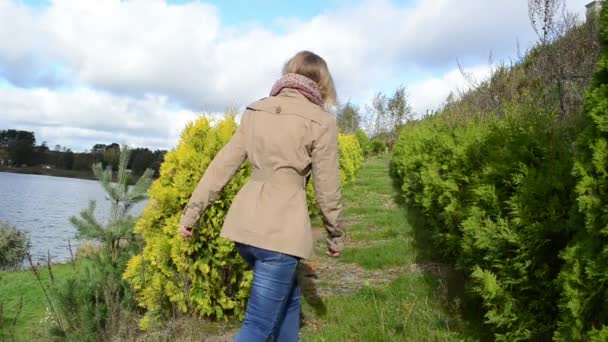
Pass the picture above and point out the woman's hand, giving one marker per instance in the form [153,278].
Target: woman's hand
[332,253]
[186,232]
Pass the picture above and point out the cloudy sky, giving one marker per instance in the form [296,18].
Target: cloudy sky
[80,72]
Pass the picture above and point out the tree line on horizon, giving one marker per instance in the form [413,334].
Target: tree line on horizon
[18,148]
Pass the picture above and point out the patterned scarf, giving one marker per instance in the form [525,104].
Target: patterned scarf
[303,84]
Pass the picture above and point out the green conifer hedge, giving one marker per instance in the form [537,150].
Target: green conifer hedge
[584,278]
[519,201]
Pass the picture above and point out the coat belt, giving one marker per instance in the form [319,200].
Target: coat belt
[280,176]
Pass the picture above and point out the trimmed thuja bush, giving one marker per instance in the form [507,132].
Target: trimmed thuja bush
[584,279]
[351,157]
[497,196]
[377,146]
[364,142]
[204,275]
[14,246]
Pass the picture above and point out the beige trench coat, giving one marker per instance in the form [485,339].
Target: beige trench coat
[286,138]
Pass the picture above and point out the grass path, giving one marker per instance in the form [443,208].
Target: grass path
[383,287]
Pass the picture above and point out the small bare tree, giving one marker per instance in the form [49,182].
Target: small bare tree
[378,115]
[544,18]
[400,111]
[388,114]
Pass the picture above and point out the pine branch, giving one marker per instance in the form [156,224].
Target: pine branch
[122,170]
[139,191]
[105,178]
[87,224]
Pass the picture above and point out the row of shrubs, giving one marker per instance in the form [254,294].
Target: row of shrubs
[205,275]
[519,202]
[373,147]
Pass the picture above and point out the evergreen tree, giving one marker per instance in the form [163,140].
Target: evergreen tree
[111,156]
[142,159]
[92,303]
[19,144]
[118,231]
[348,118]
[68,160]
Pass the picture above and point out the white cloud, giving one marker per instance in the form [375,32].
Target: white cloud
[142,58]
[431,93]
[85,114]
[143,46]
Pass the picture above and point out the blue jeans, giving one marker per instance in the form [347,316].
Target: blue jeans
[273,310]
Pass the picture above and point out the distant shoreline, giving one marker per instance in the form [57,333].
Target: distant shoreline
[37,170]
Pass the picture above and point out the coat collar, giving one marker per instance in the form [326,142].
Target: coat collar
[293,93]
[290,102]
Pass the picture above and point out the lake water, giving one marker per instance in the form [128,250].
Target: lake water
[42,206]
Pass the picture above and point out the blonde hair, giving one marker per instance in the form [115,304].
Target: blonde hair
[311,65]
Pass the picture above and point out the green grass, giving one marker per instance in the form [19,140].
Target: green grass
[415,307]
[382,232]
[15,285]
[382,255]
[403,311]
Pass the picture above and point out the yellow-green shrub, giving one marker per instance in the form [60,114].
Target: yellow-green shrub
[351,156]
[351,160]
[203,275]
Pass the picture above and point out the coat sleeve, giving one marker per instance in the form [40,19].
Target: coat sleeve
[218,174]
[326,179]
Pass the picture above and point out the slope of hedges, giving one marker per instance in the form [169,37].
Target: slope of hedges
[584,278]
[497,196]
[203,275]
[519,201]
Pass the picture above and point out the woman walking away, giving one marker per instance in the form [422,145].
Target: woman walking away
[286,137]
